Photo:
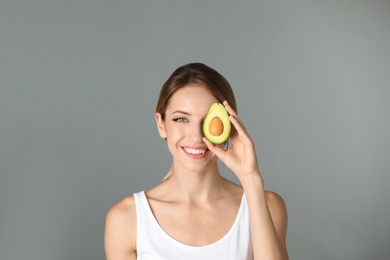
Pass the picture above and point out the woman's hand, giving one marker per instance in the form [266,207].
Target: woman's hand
[240,157]
[268,214]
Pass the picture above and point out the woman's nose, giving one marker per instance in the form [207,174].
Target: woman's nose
[197,132]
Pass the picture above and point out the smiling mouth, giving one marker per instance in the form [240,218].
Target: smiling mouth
[195,151]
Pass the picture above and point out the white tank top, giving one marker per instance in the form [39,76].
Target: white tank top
[153,243]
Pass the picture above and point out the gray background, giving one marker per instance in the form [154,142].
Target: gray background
[79,80]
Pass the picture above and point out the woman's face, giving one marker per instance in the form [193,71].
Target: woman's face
[182,128]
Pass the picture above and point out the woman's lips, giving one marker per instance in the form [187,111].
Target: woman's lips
[196,152]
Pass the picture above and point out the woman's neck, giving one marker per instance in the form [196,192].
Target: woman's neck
[195,186]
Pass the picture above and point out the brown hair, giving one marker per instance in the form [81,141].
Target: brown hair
[195,73]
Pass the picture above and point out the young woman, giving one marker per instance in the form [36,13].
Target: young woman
[195,213]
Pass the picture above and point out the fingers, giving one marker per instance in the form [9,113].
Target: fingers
[217,150]
[229,108]
[235,120]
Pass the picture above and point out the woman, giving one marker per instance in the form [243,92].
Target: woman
[195,213]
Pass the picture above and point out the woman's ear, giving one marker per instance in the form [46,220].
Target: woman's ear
[160,125]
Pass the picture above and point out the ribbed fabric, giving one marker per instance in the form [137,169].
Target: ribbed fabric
[153,243]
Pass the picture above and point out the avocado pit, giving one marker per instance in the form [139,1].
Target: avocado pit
[216,126]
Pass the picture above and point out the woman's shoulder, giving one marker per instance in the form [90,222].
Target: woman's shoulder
[123,214]
[277,208]
[275,201]
[121,226]
[123,208]
[273,197]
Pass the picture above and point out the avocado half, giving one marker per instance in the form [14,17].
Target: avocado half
[216,124]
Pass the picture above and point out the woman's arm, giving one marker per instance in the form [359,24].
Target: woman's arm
[268,217]
[120,231]
[267,210]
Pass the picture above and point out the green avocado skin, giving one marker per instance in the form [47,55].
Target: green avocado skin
[217,110]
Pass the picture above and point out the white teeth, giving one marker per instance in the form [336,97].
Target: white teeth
[195,151]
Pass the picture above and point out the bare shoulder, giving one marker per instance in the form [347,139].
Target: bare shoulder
[278,210]
[276,204]
[121,230]
[126,205]
[123,212]
[274,199]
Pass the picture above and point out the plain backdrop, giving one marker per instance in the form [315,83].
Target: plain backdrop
[79,81]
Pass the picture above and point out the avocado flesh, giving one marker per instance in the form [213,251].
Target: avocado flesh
[217,110]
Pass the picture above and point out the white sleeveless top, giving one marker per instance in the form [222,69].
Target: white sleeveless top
[153,243]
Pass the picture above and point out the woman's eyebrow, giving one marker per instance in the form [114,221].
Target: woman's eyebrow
[181,112]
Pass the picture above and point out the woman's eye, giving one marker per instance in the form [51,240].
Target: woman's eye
[180,119]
